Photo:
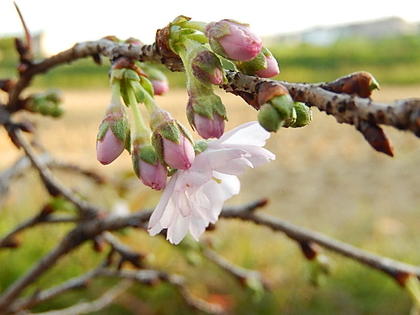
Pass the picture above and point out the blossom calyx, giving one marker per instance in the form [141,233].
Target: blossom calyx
[147,166]
[233,40]
[207,115]
[206,67]
[113,135]
[172,142]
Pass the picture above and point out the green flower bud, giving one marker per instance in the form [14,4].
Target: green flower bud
[303,115]
[284,106]
[269,118]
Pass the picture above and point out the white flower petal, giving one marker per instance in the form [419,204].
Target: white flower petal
[197,227]
[194,198]
[178,229]
[247,134]
[235,166]
[161,206]
[215,158]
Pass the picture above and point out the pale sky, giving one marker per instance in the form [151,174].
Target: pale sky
[66,22]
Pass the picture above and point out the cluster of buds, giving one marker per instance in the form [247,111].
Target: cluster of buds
[47,103]
[206,51]
[282,111]
[156,149]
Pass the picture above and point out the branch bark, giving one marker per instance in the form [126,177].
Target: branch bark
[397,270]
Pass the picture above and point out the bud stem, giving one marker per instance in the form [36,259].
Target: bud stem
[115,93]
[140,129]
[186,53]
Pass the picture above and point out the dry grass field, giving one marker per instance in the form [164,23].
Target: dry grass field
[325,177]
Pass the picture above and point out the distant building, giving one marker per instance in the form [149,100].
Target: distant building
[376,29]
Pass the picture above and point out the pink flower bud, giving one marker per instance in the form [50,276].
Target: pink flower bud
[209,128]
[271,70]
[152,175]
[108,148]
[233,40]
[178,155]
[207,68]
[160,86]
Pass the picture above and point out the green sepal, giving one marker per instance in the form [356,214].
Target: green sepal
[103,128]
[131,75]
[200,146]
[135,159]
[303,115]
[291,119]
[374,84]
[158,145]
[284,106]
[185,132]
[269,118]
[207,105]
[127,143]
[180,19]
[202,39]
[148,154]
[147,85]
[227,64]
[119,129]
[254,65]
[170,131]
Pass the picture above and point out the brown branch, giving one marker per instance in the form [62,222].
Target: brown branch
[402,114]
[88,230]
[23,164]
[242,275]
[152,277]
[54,187]
[9,240]
[93,306]
[45,295]
[397,270]
[102,47]
[126,253]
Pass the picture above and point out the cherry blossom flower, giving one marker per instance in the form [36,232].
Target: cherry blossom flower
[194,198]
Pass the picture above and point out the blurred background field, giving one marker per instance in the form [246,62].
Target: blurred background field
[325,177]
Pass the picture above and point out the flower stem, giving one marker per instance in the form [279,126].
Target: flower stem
[187,53]
[149,101]
[115,94]
[140,129]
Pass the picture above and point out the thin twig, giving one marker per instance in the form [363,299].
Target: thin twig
[397,270]
[244,276]
[45,295]
[9,240]
[51,183]
[23,164]
[151,277]
[93,306]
